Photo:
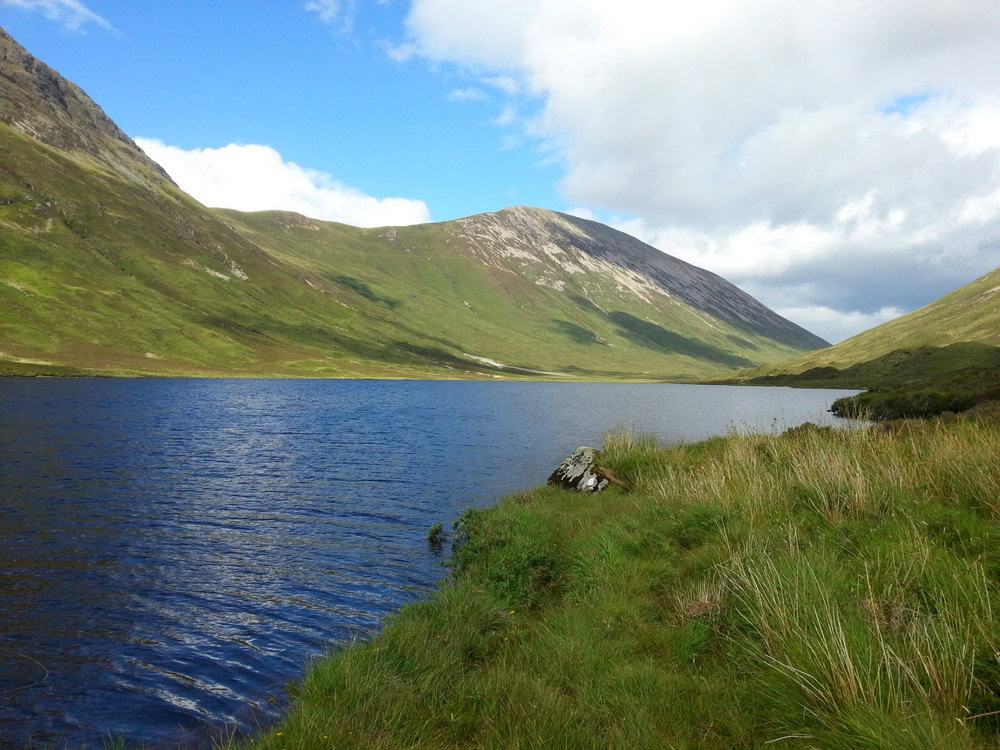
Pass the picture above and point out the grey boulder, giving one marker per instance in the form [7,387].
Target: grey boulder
[577,472]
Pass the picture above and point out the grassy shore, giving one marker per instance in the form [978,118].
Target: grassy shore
[818,589]
[906,383]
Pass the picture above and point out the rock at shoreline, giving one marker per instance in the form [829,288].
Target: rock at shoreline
[577,472]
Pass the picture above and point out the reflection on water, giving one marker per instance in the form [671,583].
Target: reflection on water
[173,551]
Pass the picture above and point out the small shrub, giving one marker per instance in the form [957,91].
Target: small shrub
[436,534]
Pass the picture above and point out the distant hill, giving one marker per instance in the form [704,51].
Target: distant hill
[944,357]
[970,314]
[107,266]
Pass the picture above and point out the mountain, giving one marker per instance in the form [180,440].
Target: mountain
[107,266]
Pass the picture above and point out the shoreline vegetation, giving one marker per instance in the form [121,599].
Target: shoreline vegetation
[820,588]
[915,382]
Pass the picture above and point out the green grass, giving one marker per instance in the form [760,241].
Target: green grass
[829,589]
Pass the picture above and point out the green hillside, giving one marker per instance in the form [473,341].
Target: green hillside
[944,357]
[969,314]
[106,266]
[431,291]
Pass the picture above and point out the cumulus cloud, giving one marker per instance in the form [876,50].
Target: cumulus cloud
[73,15]
[252,177]
[830,151]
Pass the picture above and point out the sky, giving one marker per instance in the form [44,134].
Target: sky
[837,159]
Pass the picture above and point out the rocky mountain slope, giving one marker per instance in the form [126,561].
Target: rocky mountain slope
[107,266]
[557,244]
[37,102]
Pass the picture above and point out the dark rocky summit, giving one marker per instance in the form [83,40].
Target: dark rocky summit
[38,102]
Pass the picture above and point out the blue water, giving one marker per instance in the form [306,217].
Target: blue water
[172,552]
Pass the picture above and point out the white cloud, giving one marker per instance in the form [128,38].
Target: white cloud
[507,117]
[70,13]
[402,52]
[486,35]
[849,151]
[507,84]
[336,13]
[510,142]
[582,212]
[327,10]
[256,178]
[467,94]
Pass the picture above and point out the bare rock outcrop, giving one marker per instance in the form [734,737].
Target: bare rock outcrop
[578,472]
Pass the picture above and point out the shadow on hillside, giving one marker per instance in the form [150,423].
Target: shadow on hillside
[740,341]
[965,364]
[911,382]
[657,338]
[360,287]
[587,305]
[578,334]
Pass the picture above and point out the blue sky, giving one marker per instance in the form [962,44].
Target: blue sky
[325,95]
[838,159]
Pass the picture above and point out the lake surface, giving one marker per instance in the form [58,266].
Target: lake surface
[172,552]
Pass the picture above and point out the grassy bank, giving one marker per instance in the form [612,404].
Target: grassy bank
[903,384]
[829,589]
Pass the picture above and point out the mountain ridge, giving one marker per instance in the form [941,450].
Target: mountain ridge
[38,102]
[695,285]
